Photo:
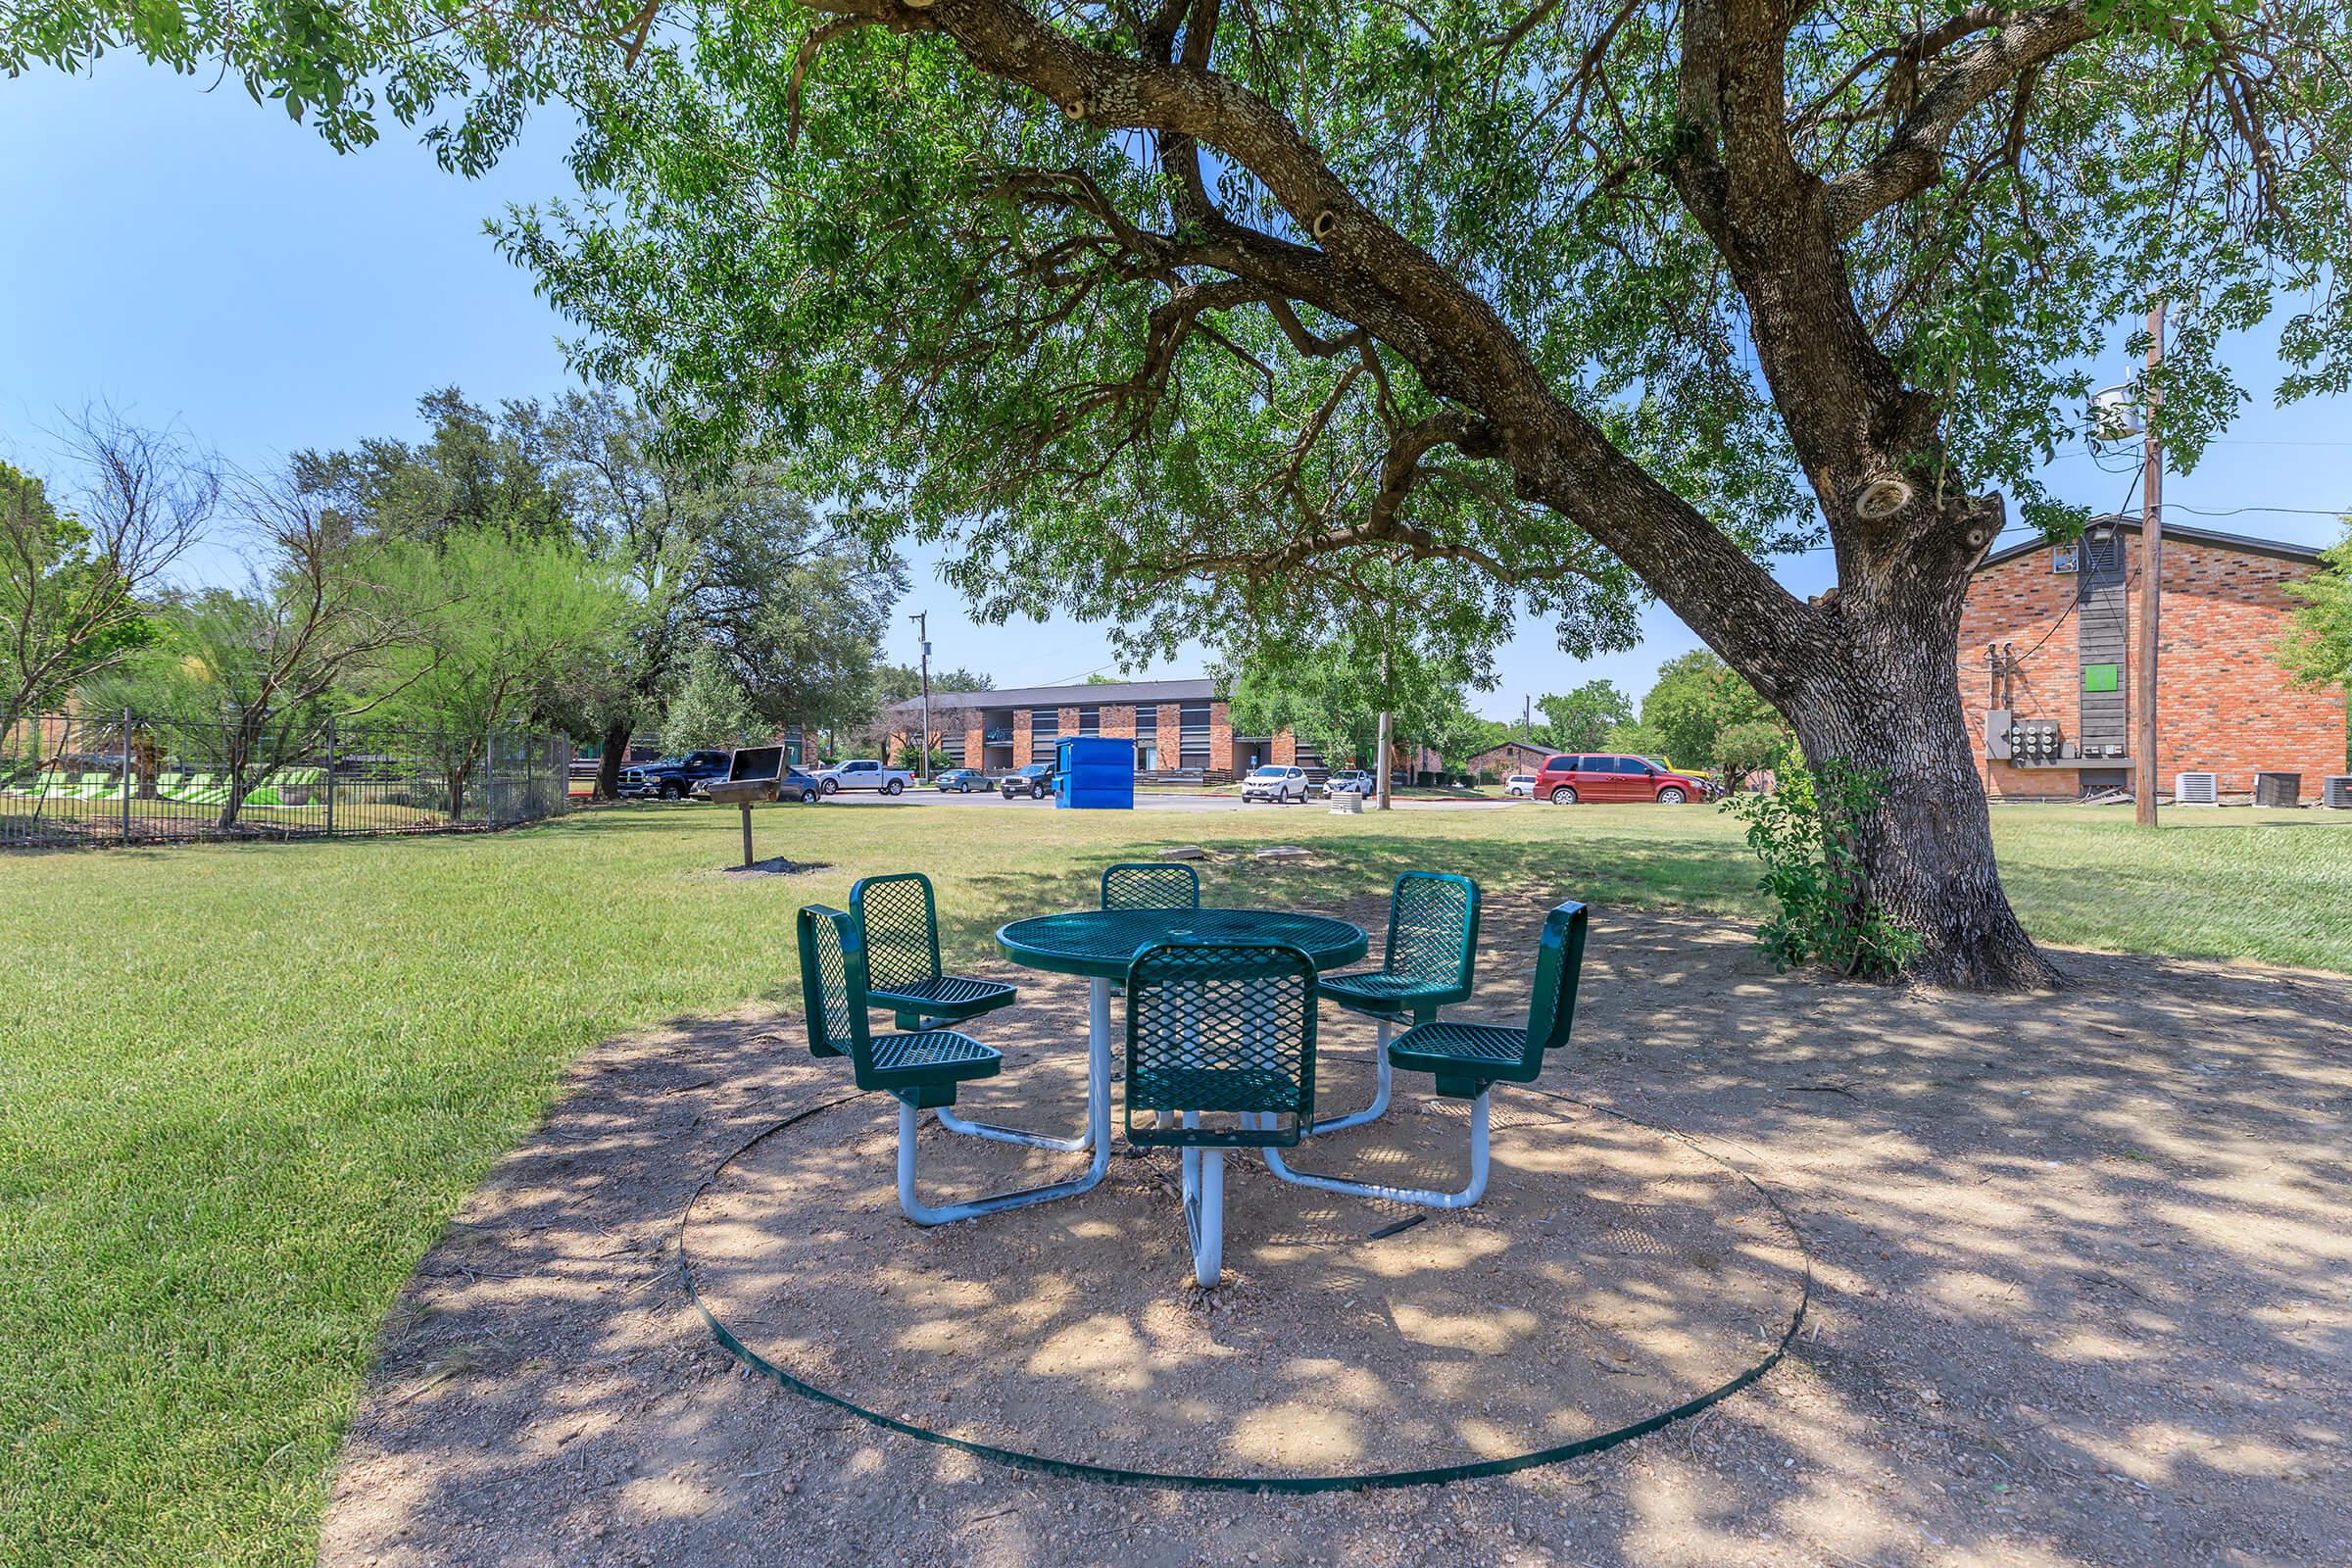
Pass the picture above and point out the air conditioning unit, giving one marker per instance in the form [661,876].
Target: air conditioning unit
[2335,790]
[2196,788]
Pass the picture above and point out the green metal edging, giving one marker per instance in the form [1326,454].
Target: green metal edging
[1114,1475]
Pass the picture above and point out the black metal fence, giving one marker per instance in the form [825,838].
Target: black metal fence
[126,778]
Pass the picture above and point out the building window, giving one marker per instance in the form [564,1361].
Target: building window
[1089,722]
[1045,728]
[1146,717]
[1192,719]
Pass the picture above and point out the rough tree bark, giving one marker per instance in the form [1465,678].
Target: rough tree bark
[607,765]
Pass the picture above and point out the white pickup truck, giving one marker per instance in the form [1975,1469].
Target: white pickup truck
[862,773]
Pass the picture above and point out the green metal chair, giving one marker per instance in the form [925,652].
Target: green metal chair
[1156,885]
[1468,1059]
[1432,953]
[1224,1030]
[920,1069]
[898,922]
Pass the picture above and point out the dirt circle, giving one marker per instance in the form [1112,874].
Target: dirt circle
[1613,1279]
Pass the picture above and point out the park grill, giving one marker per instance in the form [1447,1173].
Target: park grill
[754,773]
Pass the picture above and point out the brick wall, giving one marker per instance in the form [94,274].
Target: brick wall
[1286,749]
[1118,720]
[1021,737]
[1170,736]
[1221,738]
[2223,704]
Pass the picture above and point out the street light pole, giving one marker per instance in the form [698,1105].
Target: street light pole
[2151,589]
[922,632]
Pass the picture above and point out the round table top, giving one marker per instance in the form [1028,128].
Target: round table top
[1102,943]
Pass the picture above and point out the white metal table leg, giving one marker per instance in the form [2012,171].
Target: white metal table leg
[1098,1117]
[1421,1196]
[1012,1135]
[1205,1212]
[1380,1092]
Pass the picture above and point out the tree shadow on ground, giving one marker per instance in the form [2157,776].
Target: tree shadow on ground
[2079,1300]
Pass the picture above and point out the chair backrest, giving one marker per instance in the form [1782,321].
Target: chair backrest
[1154,886]
[900,925]
[1559,964]
[1433,930]
[833,985]
[1220,1027]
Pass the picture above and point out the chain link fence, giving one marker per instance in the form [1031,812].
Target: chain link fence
[124,778]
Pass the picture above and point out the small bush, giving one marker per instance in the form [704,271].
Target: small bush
[1803,833]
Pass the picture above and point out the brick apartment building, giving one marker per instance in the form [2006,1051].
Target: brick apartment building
[1177,726]
[2046,639]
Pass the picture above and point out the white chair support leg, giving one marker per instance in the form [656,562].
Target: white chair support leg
[1405,1194]
[1014,1135]
[947,1215]
[1010,1135]
[1380,1094]
[1205,1212]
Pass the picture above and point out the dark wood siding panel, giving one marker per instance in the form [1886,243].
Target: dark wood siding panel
[2103,638]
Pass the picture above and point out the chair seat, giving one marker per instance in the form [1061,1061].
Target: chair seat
[1383,995]
[942,995]
[924,1067]
[1465,1057]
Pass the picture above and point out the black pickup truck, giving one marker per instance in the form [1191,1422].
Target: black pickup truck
[672,779]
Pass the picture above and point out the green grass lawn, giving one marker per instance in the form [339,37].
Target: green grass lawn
[242,1086]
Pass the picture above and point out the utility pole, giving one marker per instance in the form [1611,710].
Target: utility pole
[2151,588]
[1527,718]
[922,632]
[1387,731]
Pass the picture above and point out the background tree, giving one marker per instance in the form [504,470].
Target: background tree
[726,558]
[72,582]
[503,629]
[2317,649]
[476,470]
[1567,292]
[1696,699]
[1580,720]
[249,679]
[1332,691]
[711,709]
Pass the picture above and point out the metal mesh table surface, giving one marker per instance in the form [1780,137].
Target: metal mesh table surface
[1103,942]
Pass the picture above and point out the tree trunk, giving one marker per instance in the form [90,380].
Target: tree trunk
[1886,696]
[607,765]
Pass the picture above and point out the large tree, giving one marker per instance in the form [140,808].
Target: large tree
[724,560]
[1128,297]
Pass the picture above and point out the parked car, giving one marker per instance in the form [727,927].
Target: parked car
[1348,781]
[1276,783]
[1035,781]
[962,780]
[1523,785]
[795,785]
[862,773]
[673,778]
[1603,779]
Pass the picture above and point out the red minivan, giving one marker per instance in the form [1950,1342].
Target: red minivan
[1599,780]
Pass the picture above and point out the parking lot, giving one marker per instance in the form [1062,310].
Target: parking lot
[924,795]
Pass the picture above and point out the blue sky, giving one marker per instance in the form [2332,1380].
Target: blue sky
[186,254]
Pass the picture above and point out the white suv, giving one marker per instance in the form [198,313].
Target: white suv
[1522,785]
[1275,783]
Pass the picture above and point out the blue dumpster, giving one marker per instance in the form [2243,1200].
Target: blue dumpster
[1093,773]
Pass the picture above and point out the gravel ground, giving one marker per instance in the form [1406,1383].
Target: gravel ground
[2080,1297]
